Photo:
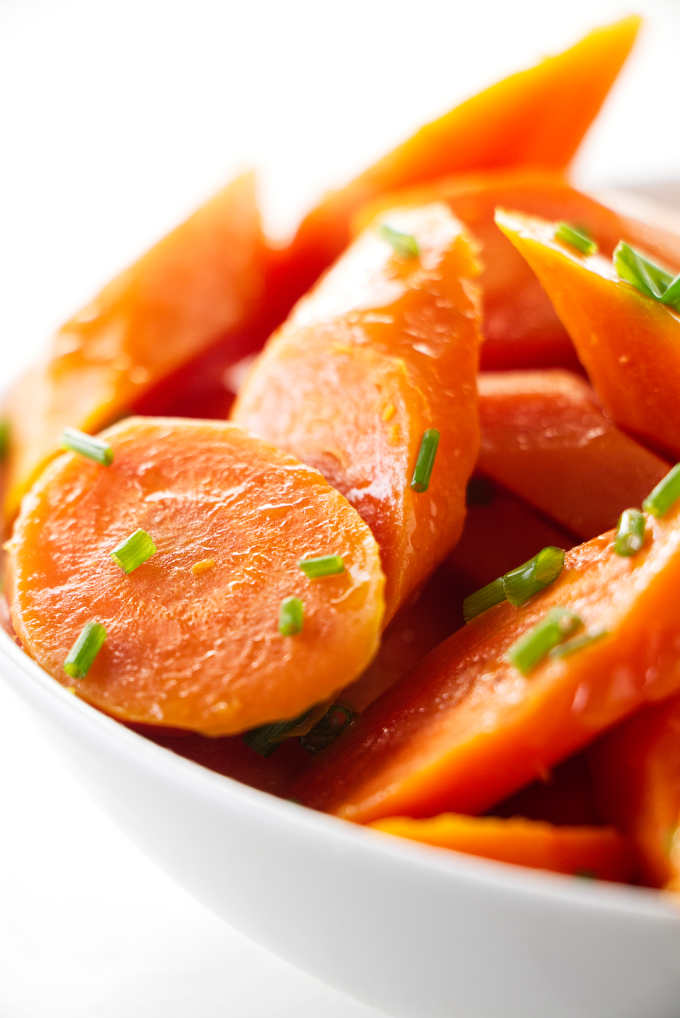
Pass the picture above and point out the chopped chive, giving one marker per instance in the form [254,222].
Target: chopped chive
[672,294]
[336,719]
[578,643]
[405,244]
[645,275]
[425,460]
[630,533]
[134,551]
[83,652]
[266,738]
[324,565]
[533,576]
[574,237]
[527,652]
[86,445]
[291,616]
[665,495]
[4,437]
[483,599]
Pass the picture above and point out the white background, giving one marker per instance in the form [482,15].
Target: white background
[115,119]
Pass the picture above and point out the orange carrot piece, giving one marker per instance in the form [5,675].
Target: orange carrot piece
[383,349]
[500,533]
[545,437]
[521,328]
[636,776]
[201,652]
[628,343]
[597,852]
[536,117]
[199,283]
[467,729]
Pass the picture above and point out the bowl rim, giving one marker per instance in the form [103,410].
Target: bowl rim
[560,890]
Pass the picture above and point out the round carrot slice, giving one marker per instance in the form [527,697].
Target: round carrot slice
[192,634]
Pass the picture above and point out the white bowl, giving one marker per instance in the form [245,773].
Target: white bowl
[419,932]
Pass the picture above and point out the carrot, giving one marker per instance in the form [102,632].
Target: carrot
[467,728]
[192,634]
[545,437]
[202,282]
[614,327]
[521,328]
[501,531]
[636,775]
[536,117]
[597,852]
[383,350]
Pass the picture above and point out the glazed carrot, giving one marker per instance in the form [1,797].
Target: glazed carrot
[597,852]
[628,343]
[468,728]
[545,437]
[500,532]
[192,635]
[381,354]
[521,328]
[536,117]
[636,775]
[201,282]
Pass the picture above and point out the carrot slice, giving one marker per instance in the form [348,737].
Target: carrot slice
[382,350]
[202,281]
[521,328]
[193,640]
[536,117]
[614,327]
[500,533]
[597,852]
[636,775]
[545,437]
[467,728]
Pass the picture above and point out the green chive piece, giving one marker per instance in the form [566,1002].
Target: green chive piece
[134,551]
[83,652]
[578,643]
[324,565]
[4,437]
[483,599]
[665,495]
[528,652]
[336,719]
[86,445]
[266,738]
[645,275]
[671,295]
[291,616]
[630,533]
[425,460]
[533,576]
[571,235]
[405,244]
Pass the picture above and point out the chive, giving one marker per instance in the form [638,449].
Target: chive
[86,445]
[531,648]
[291,616]
[574,237]
[266,738]
[665,495]
[134,551]
[483,599]
[336,719]
[533,576]
[578,643]
[630,533]
[425,461]
[405,244]
[671,295]
[4,437]
[324,565]
[83,652]
[645,275]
